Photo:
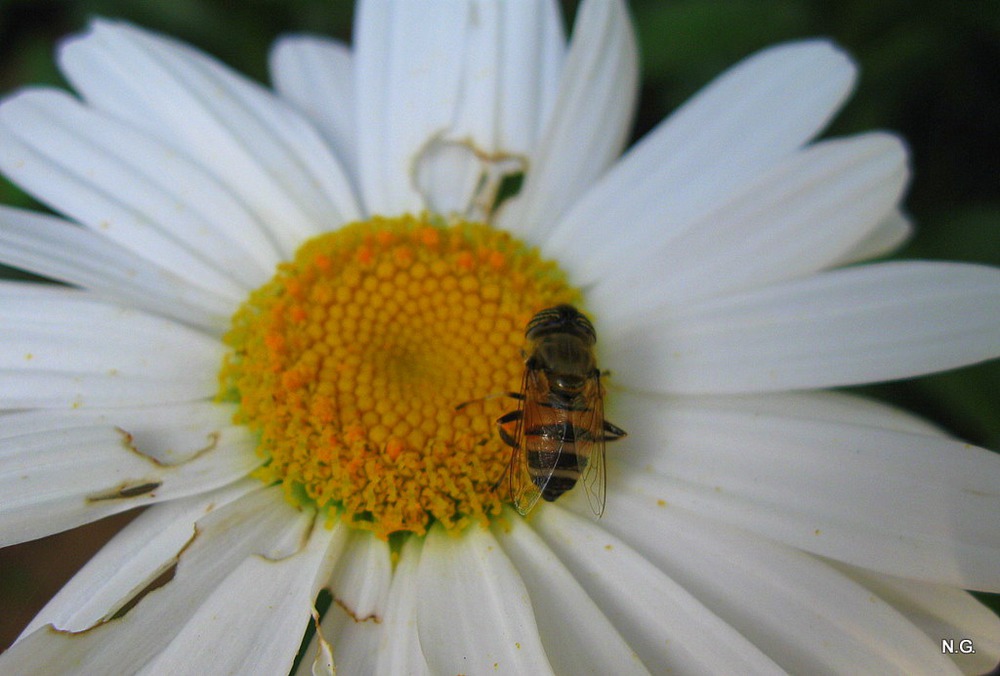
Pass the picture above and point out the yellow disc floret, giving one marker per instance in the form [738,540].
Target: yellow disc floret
[349,365]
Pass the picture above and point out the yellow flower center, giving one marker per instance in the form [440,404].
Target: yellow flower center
[349,365]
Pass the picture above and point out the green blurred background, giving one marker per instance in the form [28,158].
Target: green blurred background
[930,70]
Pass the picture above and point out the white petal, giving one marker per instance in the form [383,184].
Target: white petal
[511,59]
[473,611]
[62,348]
[59,479]
[399,649]
[133,189]
[703,152]
[668,628]
[225,538]
[168,433]
[146,548]
[890,234]
[798,610]
[476,80]
[322,663]
[529,53]
[316,74]
[944,613]
[798,218]
[589,124]
[361,580]
[406,61]
[319,652]
[902,502]
[448,175]
[62,251]
[511,62]
[578,638]
[851,326]
[254,143]
[352,644]
[254,620]
[20,388]
[828,407]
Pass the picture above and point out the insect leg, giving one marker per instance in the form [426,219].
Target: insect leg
[513,416]
[512,395]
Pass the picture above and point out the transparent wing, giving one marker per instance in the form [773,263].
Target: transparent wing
[523,491]
[590,449]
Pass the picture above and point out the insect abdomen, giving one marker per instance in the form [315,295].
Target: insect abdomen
[553,463]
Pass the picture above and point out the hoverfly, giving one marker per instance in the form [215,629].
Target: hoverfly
[558,432]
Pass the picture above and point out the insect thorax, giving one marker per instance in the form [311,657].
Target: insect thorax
[567,359]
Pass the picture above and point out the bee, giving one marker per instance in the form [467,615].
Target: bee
[558,432]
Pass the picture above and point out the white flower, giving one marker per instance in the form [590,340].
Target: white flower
[753,524]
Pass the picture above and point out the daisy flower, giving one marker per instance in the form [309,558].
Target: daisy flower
[279,301]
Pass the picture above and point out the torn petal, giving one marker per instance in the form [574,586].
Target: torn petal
[58,479]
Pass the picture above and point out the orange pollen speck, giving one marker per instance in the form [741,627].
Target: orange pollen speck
[349,365]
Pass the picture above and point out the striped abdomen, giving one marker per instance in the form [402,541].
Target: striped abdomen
[557,450]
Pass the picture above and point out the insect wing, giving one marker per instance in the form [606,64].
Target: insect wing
[523,491]
[590,448]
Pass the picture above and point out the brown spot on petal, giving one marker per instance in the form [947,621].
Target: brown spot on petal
[161,580]
[374,618]
[131,489]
